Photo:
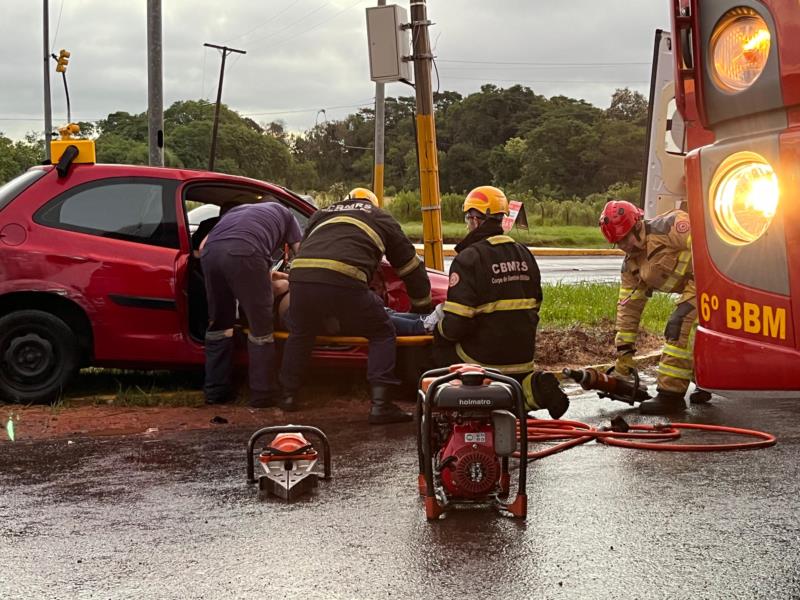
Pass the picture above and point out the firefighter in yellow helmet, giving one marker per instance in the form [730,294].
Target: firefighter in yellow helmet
[492,308]
[658,256]
[340,251]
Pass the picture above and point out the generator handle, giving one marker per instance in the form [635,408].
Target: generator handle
[448,375]
[305,429]
[522,418]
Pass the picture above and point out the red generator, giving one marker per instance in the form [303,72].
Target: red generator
[467,434]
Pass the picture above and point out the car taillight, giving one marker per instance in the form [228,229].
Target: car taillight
[744,196]
[740,48]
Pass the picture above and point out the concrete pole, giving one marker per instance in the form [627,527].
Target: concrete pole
[426,138]
[155,85]
[380,119]
[48,109]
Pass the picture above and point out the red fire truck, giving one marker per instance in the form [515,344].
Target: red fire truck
[733,151]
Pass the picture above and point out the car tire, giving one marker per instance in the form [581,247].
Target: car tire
[38,356]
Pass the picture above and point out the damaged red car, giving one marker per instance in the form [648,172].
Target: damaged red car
[97,269]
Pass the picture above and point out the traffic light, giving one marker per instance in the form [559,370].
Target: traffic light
[63,60]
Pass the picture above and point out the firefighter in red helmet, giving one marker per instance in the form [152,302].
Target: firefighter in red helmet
[658,257]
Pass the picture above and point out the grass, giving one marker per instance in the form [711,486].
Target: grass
[120,387]
[592,304]
[566,236]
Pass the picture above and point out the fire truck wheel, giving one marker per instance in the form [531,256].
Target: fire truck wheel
[38,356]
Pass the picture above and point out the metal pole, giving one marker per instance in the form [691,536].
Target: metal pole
[426,138]
[225,52]
[380,119]
[155,85]
[48,110]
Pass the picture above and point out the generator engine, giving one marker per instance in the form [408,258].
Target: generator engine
[468,465]
[467,433]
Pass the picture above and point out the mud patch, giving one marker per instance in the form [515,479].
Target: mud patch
[582,346]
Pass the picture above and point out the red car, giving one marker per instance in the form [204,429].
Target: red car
[96,268]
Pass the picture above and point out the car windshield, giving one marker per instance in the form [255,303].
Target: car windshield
[16,186]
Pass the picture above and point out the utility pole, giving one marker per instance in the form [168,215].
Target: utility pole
[225,52]
[426,137]
[155,85]
[380,118]
[48,110]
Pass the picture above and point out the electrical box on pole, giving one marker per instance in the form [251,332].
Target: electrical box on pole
[389,43]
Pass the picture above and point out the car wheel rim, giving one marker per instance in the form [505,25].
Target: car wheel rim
[29,358]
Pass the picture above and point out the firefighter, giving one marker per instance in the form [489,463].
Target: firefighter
[237,258]
[658,256]
[492,308]
[342,247]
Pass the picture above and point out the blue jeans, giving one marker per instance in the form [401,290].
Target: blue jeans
[407,323]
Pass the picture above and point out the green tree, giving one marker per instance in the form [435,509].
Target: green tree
[628,105]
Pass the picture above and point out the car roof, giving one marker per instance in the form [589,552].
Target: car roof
[118,170]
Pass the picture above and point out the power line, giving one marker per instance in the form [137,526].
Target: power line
[268,21]
[539,64]
[313,27]
[561,81]
[282,29]
[480,66]
[58,26]
[304,110]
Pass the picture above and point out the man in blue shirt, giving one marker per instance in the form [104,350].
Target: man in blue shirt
[237,260]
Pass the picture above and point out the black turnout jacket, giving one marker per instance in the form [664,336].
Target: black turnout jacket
[492,307]
[344,244]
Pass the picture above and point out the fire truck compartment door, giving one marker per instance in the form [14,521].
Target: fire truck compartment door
[664,187]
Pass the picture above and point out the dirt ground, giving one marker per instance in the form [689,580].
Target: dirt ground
[108,413]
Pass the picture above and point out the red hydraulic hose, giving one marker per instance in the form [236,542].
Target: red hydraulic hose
[766,440]
[652,437]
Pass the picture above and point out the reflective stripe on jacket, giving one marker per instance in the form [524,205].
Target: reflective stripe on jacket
[344,244]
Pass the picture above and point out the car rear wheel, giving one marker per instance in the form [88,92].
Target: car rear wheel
[38,356]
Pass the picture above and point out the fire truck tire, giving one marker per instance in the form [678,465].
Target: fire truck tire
[39,354]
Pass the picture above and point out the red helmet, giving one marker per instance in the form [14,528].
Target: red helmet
[618,218]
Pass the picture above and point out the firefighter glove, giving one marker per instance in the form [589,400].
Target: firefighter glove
[624,363]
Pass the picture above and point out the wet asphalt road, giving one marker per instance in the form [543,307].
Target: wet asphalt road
[572,269]
[172,517]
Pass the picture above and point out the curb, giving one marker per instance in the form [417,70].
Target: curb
[449,251]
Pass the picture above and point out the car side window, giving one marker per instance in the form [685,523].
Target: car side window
[133,210]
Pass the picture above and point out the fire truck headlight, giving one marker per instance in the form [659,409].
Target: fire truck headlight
[744,196]
[739,48]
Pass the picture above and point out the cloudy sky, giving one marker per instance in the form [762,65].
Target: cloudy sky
[307,55]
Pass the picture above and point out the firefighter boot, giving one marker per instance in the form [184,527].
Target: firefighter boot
[548,394]
[664,403]
[384,411]
[699,396]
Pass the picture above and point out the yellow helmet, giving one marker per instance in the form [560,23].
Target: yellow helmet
[362,194]
[487,200]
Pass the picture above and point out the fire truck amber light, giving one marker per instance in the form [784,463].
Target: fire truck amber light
[740,48]
[745,198]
